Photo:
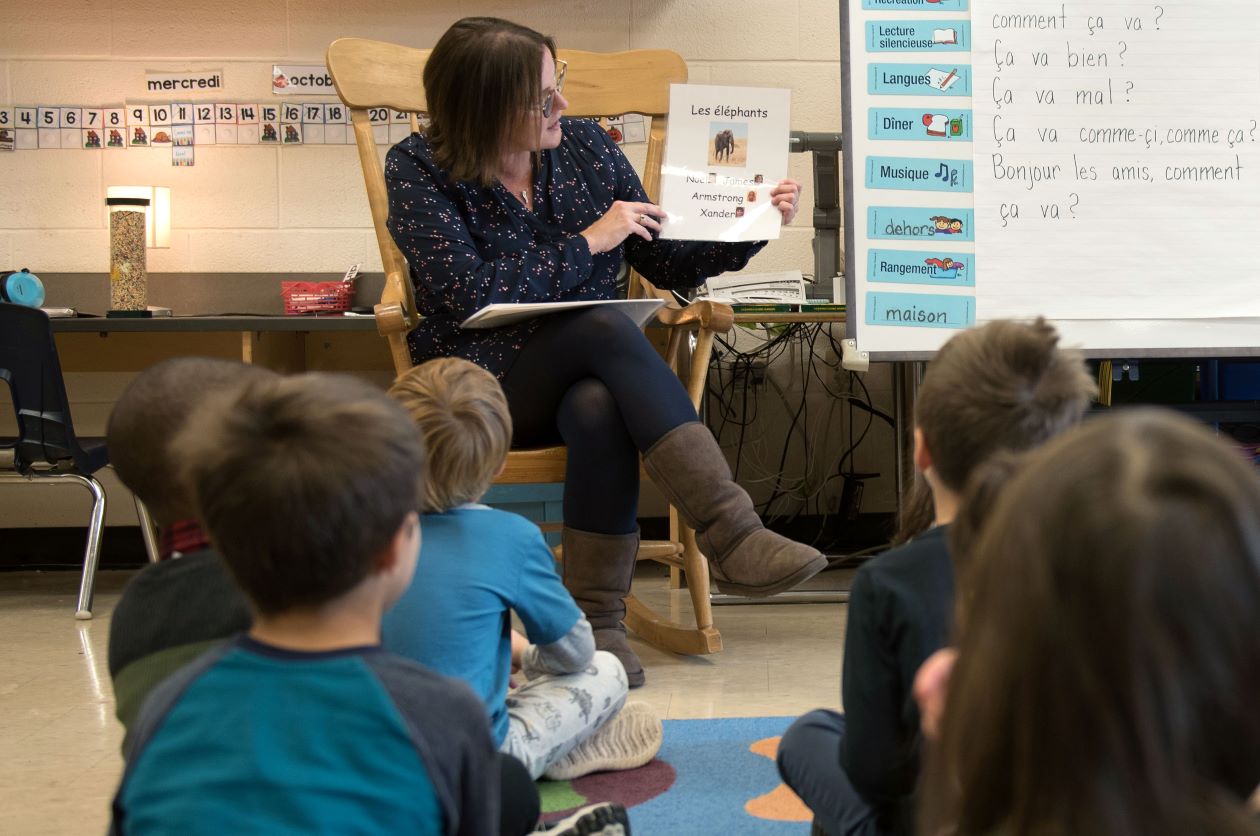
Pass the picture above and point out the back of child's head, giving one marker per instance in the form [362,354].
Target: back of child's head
[463,415]
[1109,653]
[302,483]
[979,496]
[915,512]
[148,415]
[1003,386]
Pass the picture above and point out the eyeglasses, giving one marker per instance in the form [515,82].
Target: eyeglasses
[562,67]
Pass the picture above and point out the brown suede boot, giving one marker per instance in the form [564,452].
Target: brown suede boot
[598,569]
[744,556]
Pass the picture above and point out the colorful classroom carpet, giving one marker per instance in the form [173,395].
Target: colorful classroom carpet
[712,777]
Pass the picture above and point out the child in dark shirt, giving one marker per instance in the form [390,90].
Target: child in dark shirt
[1004,386]
[173,610]
[308,488]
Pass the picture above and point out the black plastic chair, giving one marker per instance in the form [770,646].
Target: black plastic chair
[46,449]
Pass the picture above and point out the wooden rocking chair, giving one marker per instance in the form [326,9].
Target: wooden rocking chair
[374,74]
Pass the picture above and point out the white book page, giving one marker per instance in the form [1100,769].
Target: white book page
[727,148]
[1117,158]
[641,311]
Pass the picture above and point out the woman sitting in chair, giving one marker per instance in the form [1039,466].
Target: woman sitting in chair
[501,200]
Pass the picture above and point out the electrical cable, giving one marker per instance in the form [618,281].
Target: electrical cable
[732,386]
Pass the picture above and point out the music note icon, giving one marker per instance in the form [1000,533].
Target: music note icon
[943,174]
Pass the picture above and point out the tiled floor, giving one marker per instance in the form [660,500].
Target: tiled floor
[59,741]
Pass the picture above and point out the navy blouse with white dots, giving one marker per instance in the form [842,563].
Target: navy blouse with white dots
[470,246]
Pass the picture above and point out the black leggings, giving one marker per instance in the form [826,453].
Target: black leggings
[592,380]
[519,805]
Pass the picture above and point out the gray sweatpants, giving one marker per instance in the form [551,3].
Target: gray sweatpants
[551,714]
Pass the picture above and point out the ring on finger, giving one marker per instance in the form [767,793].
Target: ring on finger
[642,219]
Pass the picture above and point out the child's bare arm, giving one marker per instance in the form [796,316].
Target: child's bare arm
[570,653]
[931,689]
[519,643]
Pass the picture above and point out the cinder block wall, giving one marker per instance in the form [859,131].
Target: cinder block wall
[260,209]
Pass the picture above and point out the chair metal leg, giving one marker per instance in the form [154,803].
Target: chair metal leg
[147,530]
[92,555]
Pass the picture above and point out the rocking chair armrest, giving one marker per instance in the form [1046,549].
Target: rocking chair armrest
[392,314]
[391,318]
[710,316]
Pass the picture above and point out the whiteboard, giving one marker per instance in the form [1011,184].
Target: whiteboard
[1097,163]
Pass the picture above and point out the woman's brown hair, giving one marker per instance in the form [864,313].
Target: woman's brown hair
[480,80]
[1109,659]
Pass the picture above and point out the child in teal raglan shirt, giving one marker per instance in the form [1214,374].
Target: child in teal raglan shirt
[308,487]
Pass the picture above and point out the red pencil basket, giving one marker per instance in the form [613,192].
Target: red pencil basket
[316,297]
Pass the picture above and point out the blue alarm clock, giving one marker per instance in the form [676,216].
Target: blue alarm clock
[21,287]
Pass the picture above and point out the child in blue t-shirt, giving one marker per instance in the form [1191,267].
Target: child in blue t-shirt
[308,488]
[478,566]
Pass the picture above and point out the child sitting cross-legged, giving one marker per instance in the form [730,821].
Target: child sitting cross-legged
[1004,386]
[308,487]
[479,565]
[173,610]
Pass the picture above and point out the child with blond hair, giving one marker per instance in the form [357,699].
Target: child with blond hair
[480,565]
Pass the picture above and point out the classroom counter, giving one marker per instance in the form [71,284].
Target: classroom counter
[176,324]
